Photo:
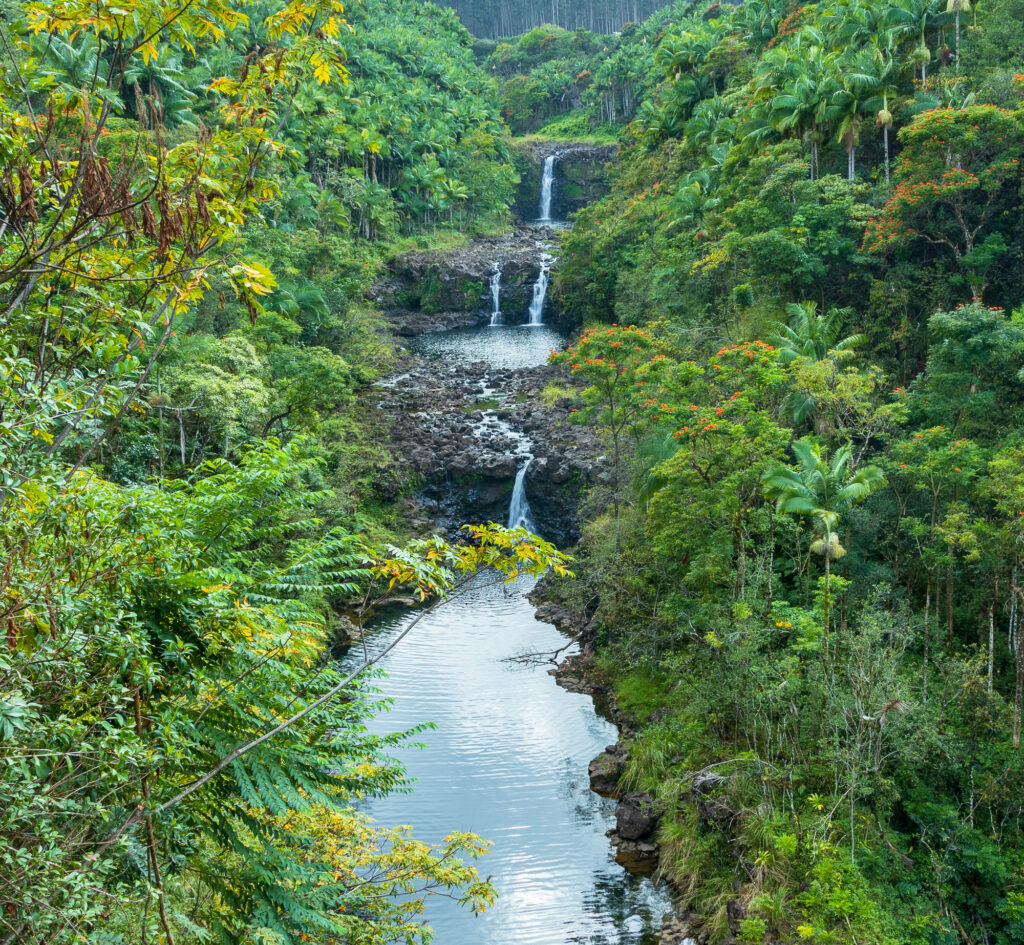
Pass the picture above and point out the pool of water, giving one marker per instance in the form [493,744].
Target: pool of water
[508,760]
[503,346]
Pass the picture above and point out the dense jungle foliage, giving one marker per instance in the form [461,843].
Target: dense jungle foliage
[575,84]
[194,199]
[810,565]
[804,311]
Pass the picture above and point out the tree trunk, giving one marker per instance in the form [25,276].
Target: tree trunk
[160,437]
[927,637]
[885,136]
[828,595]
[991,640]
[956,6]
[1017,641]
[949,607]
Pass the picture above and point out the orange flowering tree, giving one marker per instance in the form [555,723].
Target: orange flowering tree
[702,518]
[958,173]
[626,371]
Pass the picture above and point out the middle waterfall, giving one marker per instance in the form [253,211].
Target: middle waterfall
[540,291]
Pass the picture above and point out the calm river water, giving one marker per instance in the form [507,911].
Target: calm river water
[503,346]
[508,760]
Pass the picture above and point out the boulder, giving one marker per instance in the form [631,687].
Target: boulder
[635,816]
[605,771]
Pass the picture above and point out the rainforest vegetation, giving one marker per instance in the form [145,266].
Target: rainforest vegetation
[805,326]
[801,333]
[494,19]
[194,201]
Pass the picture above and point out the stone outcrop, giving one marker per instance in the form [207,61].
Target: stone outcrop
[607,768]
[581,176]
[436,290]
[463,443]
[635,816]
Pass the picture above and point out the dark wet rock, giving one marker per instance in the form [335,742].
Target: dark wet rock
[344,633]
[680,929]
[463,430]
[409,324]
[635,816]
[434,290]
[713,811]
[735,914]
[605,771]
[564,618]
[637,857]
[581,176]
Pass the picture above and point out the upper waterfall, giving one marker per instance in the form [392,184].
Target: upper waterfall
[495,283]
[546,184]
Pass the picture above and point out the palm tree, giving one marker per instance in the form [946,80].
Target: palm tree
[955,7]
[847,110]
[884,72]
[803,104]
[822,490]
[908,20]
[811,337]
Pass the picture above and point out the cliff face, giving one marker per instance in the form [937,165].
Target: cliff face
[581,176]
[435,291]
[463,447]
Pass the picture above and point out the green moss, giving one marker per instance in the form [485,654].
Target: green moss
[471,291]
[640,693]
[432,293]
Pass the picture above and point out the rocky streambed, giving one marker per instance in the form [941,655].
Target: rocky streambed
[463,431]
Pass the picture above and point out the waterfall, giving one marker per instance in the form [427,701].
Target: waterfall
[519,515]
[540,291]
[546,182]
[496,295]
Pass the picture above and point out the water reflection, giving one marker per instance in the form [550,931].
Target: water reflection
[503,346]
[508,760]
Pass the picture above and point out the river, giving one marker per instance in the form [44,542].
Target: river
[508,757]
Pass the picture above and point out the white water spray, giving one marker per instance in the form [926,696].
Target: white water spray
[519,514]
[546,182]
[540,291]
[496,295]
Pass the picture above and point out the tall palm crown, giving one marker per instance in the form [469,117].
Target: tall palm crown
[821,489]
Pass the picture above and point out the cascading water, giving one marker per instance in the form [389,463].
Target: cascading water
[519,515]
[540,291]
[547,181]
[496,295]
